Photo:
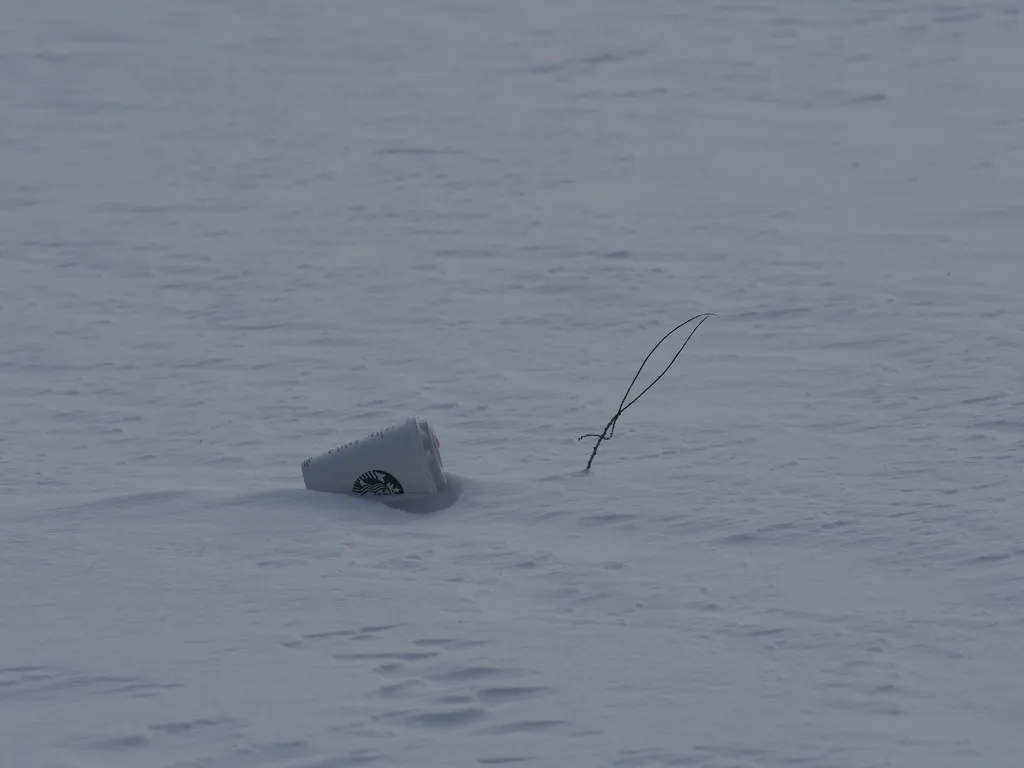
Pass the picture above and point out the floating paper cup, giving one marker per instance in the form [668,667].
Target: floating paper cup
[402,460]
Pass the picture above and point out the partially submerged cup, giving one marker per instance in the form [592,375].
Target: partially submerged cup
[401,460]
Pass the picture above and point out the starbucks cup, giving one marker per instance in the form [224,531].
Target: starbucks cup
[402,460]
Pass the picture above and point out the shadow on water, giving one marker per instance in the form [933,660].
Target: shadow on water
[360,505]
[429,504]
[185,503]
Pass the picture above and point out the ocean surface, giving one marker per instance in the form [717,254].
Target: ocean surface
[237,233]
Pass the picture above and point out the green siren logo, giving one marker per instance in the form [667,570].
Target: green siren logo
[377,482]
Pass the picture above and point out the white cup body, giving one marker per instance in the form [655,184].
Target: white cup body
[403,460]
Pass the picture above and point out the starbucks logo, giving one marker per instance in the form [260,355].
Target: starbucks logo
[377,482]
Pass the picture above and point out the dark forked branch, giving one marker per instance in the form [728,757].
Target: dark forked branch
[609,429]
